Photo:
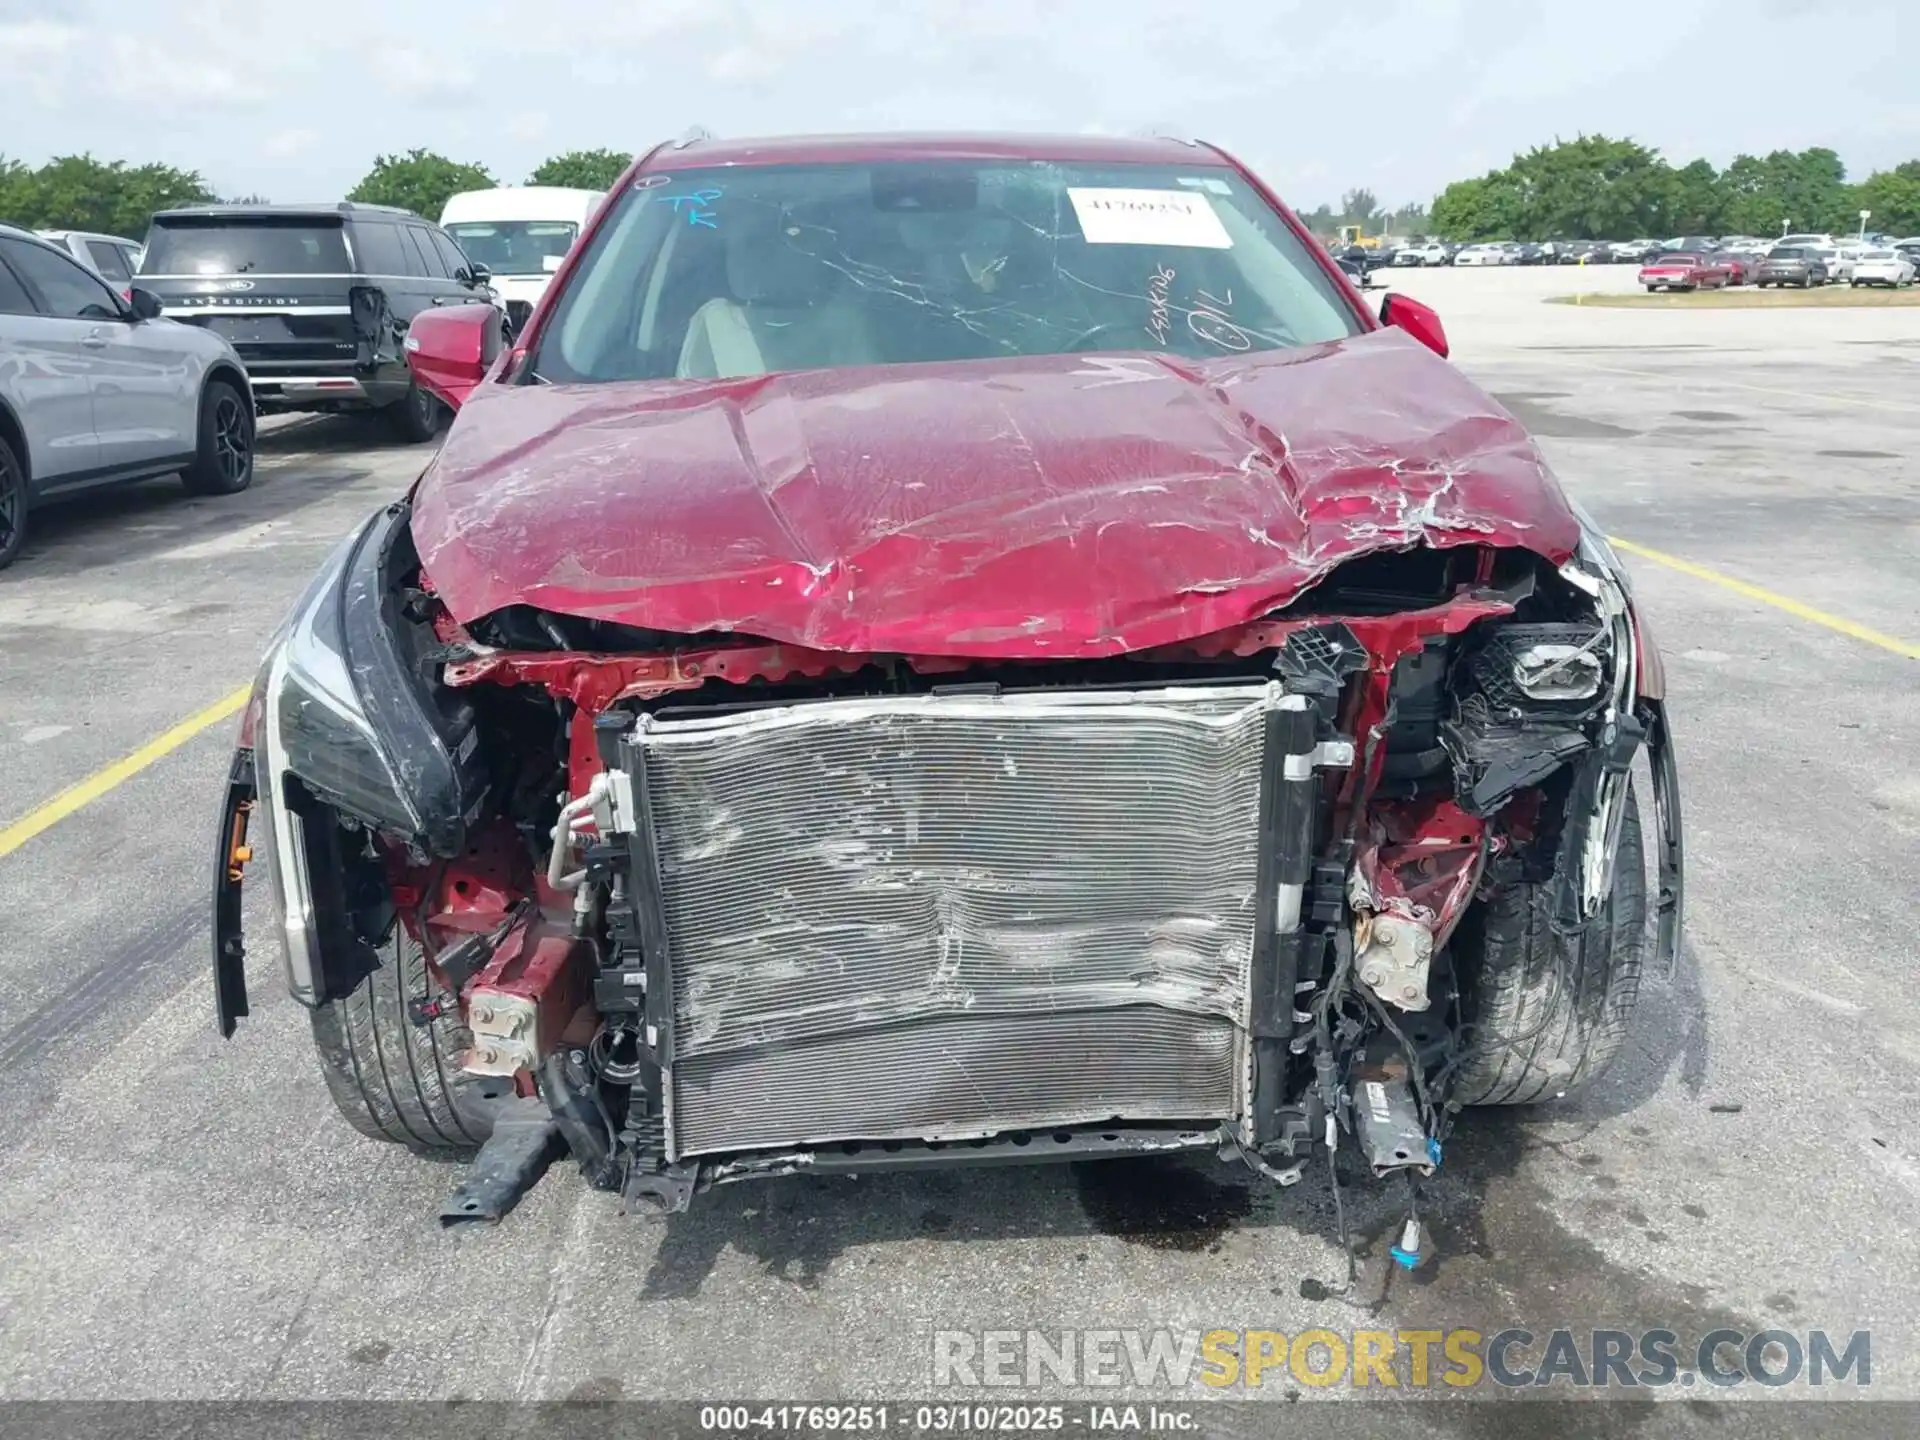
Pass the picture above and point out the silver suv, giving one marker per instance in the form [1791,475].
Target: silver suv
[96,389]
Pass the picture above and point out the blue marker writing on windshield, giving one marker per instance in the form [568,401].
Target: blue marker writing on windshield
[693,205]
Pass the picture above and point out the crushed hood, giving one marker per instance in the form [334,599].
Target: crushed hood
[1074,505]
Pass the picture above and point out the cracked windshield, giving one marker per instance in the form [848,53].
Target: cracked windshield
[706,274]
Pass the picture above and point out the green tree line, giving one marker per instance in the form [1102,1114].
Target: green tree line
[423,182]
[78,192]
[1598,188]
[1591,187]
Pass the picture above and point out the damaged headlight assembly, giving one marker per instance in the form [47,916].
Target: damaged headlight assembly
[346,735]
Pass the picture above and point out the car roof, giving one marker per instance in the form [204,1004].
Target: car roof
[86,235]
[340,208]
[941,145]
[20,233]
[520,202]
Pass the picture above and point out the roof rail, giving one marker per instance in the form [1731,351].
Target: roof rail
[1166,132]
[692,135]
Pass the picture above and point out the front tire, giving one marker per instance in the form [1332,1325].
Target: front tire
[13,504]
[392,1079]
[419,417]
[1547,1011]
[223,457]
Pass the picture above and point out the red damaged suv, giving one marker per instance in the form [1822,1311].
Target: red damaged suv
[954,650]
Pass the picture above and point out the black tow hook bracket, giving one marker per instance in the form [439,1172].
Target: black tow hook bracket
[525,1141]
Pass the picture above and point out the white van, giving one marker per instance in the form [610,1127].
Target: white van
[520,233]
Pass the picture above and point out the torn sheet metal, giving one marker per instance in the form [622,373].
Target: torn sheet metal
[594,680]
[1059,506]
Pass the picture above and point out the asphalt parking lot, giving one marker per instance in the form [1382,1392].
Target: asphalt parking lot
[188,1218]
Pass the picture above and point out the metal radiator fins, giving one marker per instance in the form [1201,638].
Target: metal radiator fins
[943,915]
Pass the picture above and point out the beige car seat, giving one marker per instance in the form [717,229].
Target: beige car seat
[786,310]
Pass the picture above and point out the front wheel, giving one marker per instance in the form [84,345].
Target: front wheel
[419,417]
[1546,1012]
[13,504]
[223,459]
[392,1079]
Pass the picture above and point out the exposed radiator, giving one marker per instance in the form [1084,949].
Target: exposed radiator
[941,916]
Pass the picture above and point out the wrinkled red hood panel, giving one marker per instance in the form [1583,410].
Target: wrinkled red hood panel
[1073,506]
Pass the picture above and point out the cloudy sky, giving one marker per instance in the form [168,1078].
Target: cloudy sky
[293,100]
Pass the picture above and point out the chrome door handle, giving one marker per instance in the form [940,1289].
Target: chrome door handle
[94,339]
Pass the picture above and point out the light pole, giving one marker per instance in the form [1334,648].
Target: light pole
[1783,228]
[1865,215]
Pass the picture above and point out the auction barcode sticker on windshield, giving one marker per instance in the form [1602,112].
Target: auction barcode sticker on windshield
[1148,217]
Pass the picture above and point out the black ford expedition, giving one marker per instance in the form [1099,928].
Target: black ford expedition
[315,298]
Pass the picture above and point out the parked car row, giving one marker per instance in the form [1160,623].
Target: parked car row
[1843,252]
[1798,261]
[1509,252]
[98,390]
[142,359]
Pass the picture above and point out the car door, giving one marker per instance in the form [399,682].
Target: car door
[144,381]
[466,289]
[434,281]
[45,373]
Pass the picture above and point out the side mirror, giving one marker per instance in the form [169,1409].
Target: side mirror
[450,350]
[1420,321]
[144,304]
[478,274]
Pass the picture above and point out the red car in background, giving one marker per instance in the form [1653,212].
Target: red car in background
[1742,267]
[1683,270]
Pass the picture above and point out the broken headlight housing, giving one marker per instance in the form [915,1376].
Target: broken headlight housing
[349,734]
[316,723]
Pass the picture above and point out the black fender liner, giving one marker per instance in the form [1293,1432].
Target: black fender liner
[1670,856]
[230,858]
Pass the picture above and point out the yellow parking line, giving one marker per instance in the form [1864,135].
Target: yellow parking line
[1769,597]
[123,769]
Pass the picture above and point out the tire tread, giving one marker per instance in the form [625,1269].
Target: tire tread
[1551,1011]
[388,1077]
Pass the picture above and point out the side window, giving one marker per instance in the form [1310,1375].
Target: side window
[14,299]
[417,262]
[110,261]
[436,267]
[378,249]
[450,253]
[63,287]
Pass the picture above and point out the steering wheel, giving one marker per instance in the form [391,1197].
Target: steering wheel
[1079,342]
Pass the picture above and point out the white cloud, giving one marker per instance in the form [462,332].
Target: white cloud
[527,124]
[37,39]
[33,62]
[286,144]
[743,63]
[138,72]
[1412,94]
[422,76]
